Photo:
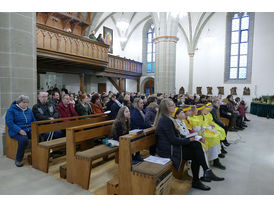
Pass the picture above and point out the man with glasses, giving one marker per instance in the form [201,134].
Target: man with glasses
[45,110]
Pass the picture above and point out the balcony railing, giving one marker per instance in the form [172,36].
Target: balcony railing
[55,43]
[62,42]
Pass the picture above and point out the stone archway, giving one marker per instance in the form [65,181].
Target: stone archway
[147,85]
[182,90]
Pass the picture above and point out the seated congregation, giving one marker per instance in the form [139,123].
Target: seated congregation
[187,128]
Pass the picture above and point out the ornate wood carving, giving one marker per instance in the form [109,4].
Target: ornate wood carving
[209,90]
[233,91]
[64,42]
[246,91]
[221,90]
[199,90]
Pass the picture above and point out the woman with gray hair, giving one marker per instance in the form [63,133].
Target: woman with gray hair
[18,120]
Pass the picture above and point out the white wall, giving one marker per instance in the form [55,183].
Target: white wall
[210,57]
[131,85]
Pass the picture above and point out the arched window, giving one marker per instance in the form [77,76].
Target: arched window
[150,50]
[239,47]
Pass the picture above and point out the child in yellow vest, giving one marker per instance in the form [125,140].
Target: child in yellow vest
[200,125]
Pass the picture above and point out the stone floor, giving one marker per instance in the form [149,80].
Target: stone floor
[249,163]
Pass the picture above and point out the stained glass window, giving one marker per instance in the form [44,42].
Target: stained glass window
[239,44]
[150,50]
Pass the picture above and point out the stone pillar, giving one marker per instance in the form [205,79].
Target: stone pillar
[18,73]
[165,64]
[190,81]
[165,45]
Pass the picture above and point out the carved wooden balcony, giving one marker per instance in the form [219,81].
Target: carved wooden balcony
[58,44]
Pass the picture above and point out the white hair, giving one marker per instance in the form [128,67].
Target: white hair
[22,98]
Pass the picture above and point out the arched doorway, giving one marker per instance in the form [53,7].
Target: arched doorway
[149,87]
[182,90]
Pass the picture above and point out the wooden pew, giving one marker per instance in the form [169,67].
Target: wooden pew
[11,146]
[224,120]
[144,177]
[79,163]
[41,150]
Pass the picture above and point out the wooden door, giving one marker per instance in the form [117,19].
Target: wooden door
[102,87]
[149,87]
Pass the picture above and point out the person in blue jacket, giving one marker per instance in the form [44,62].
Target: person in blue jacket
[137,115]
[137,118]
[18,120]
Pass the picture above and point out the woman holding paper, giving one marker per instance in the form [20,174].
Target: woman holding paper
[171,145]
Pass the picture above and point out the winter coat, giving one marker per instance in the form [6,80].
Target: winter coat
[215,116]
[137,121]
[45,111]
[169,142]
[66,111]
[81,110]
[18,119]
[96,109]
[150,115]
[114,110]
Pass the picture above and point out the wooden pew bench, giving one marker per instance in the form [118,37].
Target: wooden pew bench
[79,163]
[145,177]
[41,150]
[224,120]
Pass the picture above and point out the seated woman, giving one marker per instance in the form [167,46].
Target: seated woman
[96,105]
[138,116]
[18,119]
[83,107]
[214,125]
[212,137]
[170,144]
[138,121]
[151,112]
[184,132]
[121,125]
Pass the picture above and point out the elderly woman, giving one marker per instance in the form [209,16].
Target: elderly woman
[18,120]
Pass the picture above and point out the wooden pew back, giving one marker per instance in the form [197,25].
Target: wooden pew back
[40,150]
[131,179]
[79,163]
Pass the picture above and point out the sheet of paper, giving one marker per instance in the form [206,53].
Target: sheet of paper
[158,160]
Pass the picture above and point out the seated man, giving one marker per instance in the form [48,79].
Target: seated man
[44,110]
[225,114]
[65,108]
[55,98]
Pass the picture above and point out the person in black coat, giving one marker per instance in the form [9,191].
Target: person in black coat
[121,125]
[45,110]
[116,106]
[170,144]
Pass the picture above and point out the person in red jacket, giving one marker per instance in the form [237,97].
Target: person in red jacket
[96,105]
[65,108]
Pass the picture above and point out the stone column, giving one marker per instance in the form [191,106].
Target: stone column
[190,79]
[18,73]
[165,43]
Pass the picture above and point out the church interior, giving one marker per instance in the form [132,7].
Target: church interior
[181,54]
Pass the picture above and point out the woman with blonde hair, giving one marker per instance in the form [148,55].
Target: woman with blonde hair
[170,144]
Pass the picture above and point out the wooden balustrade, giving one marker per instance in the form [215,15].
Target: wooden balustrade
[59,44]
[62,42]
[123,64]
